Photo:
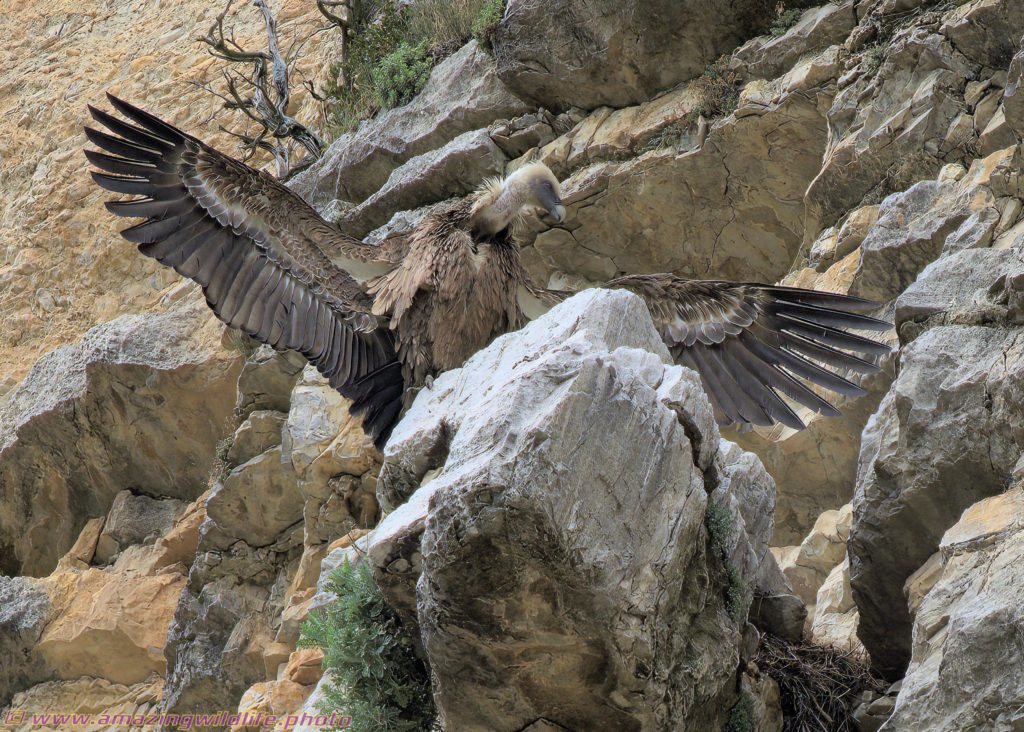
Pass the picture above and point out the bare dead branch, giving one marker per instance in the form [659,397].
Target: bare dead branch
[262,95]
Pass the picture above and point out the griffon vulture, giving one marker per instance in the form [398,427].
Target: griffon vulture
[378,329]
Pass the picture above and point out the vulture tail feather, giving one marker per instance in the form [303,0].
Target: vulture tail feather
[377,396]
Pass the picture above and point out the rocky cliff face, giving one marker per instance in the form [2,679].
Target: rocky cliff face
[170,498]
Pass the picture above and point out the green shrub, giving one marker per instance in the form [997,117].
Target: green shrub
[667,137]
[742,718]
[875,55]
[718,522]
[487,22]
[351,91]
[401,74]
[719,525]
[377,679]
[734,591]
[785,20]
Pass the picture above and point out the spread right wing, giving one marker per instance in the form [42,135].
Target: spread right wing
[257,250]
[750,342]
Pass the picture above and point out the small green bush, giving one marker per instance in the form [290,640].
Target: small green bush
[719,525]
[785,20]
[718,522]
[875,55]
[351,91]
[734,591]
[667,137]
[401,74]
[377,679]
[743,717]
[487,22]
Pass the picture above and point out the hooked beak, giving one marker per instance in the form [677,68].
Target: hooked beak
[557,212]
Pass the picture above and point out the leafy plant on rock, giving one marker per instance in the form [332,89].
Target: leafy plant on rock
[487,22]
[376,677]
[718,522]
[785,20]
[401,74]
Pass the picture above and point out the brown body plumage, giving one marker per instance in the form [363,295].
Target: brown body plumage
[452,294]
[378,325]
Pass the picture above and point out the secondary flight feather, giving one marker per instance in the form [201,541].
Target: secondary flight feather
[379,326]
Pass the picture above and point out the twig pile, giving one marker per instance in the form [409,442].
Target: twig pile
[818,685]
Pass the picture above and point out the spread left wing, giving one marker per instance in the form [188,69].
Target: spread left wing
[257,250]
[753,343]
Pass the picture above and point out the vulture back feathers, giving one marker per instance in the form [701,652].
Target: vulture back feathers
[378,329]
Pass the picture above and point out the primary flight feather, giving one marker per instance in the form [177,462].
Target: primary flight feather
[378,323]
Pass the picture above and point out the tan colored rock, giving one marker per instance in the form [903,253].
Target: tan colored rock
[265,384]
[179,544]
[275,657]
[320,430]
[257,501]
[920,582]
[854,230]
[278,698]
[807,565]
[612,52]
[835,614]
[898,114]
[308,570]
[109,704]
[769,56]
[111,626]
[737,194]
[347,540]
[350,452]
[996,135]
[295,611]
[966,633]
[94,417]
[135,519]
[304,666]
[260,431]
[81,554]
[984,523]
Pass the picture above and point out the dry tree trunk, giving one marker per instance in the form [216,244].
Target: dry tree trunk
[351,11]
[262,95]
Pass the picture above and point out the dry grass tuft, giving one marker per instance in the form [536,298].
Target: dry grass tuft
[446,24]
[717,89]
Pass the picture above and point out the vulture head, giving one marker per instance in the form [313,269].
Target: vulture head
[504,201]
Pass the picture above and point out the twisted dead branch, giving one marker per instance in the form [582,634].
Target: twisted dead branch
[262,95]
